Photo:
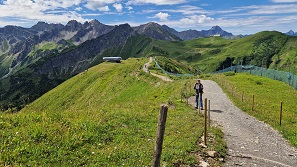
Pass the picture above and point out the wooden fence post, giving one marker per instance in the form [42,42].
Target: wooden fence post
[253,105]
[281,114]
[205,120]
[208,113]
[160,135]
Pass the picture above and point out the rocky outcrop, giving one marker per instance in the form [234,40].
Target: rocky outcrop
[190,34]
[71,62]
[216,30]
[18,42]
[156,31]
[43,26]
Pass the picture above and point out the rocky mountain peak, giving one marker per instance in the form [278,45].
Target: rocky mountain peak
[156,31]
[95,22]
[216,28]
[123,27]
[169,29]
[43,26]
[291,33]
[73,25]
[16,31]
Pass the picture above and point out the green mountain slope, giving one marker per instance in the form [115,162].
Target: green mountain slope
[268,49]
[106,116]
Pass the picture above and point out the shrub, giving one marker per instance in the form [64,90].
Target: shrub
[230,73]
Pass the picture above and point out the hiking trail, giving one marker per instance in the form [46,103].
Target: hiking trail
[145,69]
[250,142]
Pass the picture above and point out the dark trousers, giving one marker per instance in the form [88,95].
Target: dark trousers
[197,99]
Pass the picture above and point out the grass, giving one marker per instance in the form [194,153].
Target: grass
[269,48]
[106,116]
[268,96]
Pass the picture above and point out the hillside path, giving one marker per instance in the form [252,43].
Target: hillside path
[250,142]
[145,69]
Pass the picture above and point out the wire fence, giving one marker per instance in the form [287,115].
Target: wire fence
[170,73]
[283,76]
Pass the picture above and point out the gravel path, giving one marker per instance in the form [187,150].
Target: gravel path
[250,142]
[145,69]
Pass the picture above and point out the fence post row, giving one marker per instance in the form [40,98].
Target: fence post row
[160,135]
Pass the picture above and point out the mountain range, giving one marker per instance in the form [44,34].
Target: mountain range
[35,60]
[21,46]
[291,33]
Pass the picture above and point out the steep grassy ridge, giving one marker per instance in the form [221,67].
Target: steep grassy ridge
[268,95]
[106,116]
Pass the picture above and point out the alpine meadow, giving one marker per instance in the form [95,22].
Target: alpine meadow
[62,105]
[106,116]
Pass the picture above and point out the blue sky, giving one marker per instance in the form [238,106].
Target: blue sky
[235,16]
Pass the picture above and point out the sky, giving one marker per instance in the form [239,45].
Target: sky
[235,16]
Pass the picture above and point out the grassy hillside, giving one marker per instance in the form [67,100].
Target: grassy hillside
[135,46]
[106,116]
[173,66]
[268,49]
[268,95]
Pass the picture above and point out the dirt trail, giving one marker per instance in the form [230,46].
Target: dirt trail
[145,69]
[250,142]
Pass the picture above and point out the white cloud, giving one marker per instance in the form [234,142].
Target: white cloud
[129,7]
[185,10]
[33,11]
[104,9]
[43,4]
[118,7]
[162,16]
[205,4]
[189,22]
[284,1]
[78,9]
[96,4]
[267,9]
[156,2]
[275,9]
[196,19]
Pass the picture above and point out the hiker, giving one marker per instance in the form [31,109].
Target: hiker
[199,90]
